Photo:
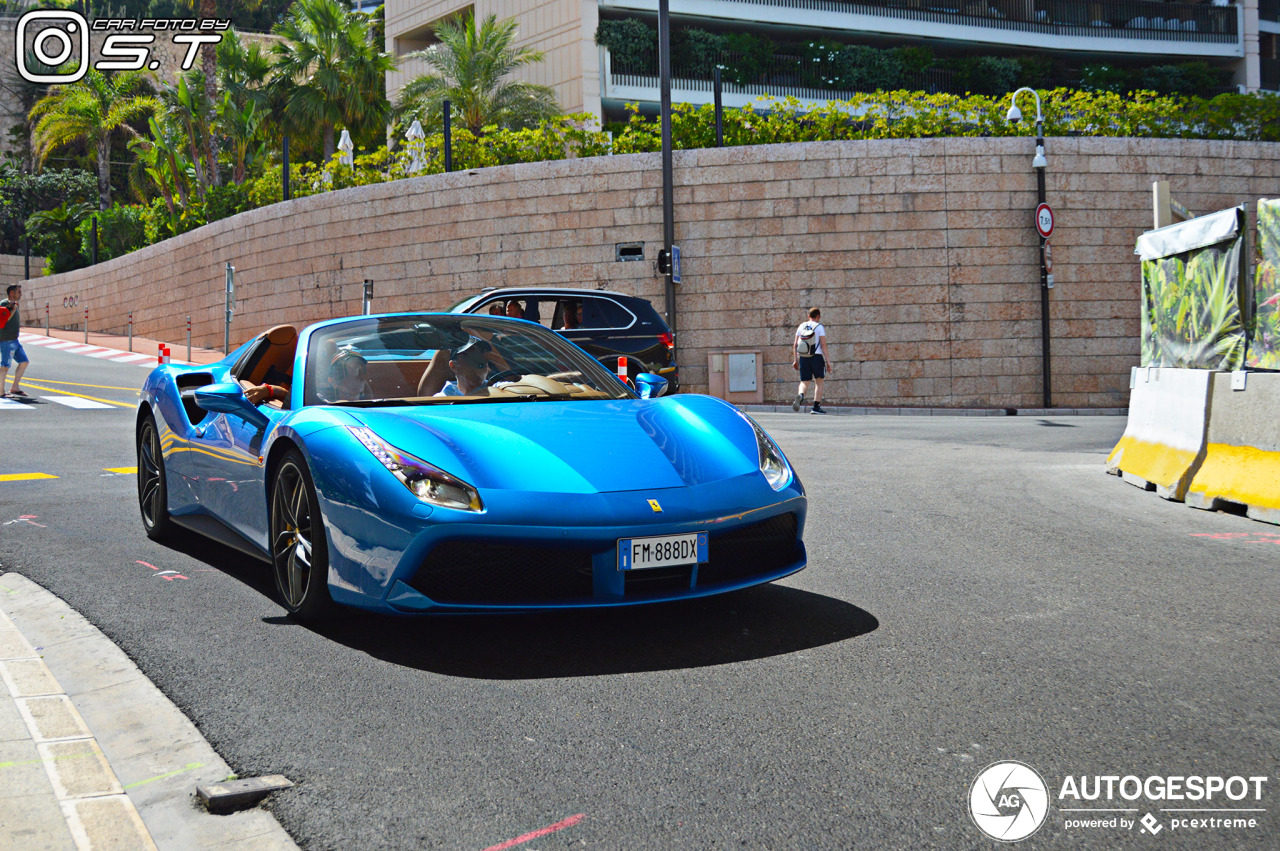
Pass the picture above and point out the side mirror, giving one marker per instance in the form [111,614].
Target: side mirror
[650,386]
[228,398]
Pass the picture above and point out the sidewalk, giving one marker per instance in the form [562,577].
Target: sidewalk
[92,755]
[141,345]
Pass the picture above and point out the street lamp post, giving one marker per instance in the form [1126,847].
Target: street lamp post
[1039,163]
[668,182]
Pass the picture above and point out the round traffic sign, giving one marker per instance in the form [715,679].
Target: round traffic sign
[1044,220]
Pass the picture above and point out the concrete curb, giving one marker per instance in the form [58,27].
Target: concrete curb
[152,756]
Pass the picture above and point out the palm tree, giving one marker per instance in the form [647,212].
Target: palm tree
[92,109]
[328,70]
[209,62]
[470,68]
[241,128]
[186,106]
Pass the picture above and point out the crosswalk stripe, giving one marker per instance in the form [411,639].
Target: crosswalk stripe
[10,405]
[76,402]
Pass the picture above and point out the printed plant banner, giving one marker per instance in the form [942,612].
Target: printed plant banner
[1191,293]
[1264,348]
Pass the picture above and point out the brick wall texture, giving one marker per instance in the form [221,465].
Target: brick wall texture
[921,253]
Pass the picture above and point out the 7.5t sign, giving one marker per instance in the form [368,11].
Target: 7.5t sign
[61,36]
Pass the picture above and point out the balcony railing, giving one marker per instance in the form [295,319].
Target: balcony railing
[783,76]
[1141,19]
[790,76]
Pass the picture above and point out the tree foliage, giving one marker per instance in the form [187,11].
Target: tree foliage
[471,68]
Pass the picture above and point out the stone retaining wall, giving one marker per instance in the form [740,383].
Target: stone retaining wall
[921,253]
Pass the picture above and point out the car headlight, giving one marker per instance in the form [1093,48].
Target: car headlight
[427,482]
[773,464]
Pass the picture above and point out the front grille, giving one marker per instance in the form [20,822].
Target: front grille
[657,581]
[475,572]
[754,550]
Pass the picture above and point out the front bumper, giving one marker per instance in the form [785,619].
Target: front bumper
[520,554]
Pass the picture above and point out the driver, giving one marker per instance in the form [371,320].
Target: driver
[470,366]
[348,377]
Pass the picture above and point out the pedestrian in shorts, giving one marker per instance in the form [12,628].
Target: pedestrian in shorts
[11,350]
[809,355]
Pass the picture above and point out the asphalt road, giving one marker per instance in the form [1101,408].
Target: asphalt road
[978,590]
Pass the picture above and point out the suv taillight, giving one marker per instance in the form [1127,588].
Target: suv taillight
[667,339]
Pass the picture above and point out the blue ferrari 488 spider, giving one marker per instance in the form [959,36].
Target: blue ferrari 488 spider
[415,463]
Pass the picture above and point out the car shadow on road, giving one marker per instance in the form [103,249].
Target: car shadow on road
[756,623]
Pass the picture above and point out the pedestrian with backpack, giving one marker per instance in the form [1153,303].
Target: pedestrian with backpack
[809,355]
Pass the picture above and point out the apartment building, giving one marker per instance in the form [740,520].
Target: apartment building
[1238,44]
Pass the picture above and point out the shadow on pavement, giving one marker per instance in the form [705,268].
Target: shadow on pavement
[751,624]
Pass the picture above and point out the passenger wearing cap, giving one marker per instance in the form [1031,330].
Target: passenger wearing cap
[470,366]
[348,377]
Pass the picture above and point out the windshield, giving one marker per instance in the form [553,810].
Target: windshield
[431,359]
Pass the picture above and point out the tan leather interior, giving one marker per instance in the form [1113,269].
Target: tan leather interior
[275,363]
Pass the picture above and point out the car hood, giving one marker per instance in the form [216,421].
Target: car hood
[576,447]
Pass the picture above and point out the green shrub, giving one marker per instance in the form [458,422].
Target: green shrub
[749,57]
[120,230]
[53,234]
[226,200]
[698,52]
[632,45]
[1104,78]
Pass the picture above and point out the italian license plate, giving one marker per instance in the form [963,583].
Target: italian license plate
[662,551]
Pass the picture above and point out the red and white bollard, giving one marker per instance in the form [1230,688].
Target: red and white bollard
[163,357]
[622,371]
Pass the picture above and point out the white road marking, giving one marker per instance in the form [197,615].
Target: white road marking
[76,402]
[11,405]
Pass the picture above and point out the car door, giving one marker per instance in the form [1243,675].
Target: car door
[607,330]
[231,470]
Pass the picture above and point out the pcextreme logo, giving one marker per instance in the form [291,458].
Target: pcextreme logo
[53,38]
[1009,801]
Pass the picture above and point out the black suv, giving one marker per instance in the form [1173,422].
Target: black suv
[606,324]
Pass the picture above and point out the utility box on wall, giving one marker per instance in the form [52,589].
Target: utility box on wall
[736,376]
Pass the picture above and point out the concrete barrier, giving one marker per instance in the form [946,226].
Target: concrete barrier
[1242,457]
[1164,441]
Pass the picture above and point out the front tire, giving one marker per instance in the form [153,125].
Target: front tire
[299,551]
[153,490]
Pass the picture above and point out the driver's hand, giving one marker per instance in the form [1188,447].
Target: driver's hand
[259,394]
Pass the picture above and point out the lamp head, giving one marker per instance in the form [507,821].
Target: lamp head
[1039,161]
[1014,115]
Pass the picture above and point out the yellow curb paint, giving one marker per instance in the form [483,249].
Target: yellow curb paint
[76,384]
[1240,474]
[1159,464]
[123,470]
[81,395]
[24,477]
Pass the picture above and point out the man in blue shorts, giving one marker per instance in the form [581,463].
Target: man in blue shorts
[10,349]
[809,355]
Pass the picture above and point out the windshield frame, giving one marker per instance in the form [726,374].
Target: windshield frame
[516,342]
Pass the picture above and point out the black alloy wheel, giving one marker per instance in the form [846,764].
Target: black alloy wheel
[153,492]
[299,553]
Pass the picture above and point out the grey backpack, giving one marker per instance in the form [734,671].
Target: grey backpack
[808,339]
